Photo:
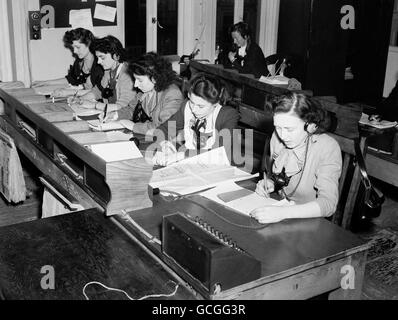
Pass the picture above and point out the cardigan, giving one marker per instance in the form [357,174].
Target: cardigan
[76,75]
[160,107]
[124,87]
[252,63]
[320,178]
[227,119]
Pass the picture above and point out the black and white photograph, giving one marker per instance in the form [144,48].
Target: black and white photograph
[199,155]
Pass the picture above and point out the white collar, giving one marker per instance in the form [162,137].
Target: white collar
[242,50]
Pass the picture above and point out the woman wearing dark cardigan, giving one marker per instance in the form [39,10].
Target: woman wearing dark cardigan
[248,58]
[201,124]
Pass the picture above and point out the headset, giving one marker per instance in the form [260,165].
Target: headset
[281,180]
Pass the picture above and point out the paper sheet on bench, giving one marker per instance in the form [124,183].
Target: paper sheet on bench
[383,124]
[198,173]
[106,126]
[244,204]
[116,151]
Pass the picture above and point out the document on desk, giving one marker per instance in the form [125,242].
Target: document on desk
[49,89]
[383,124]
[116,151]
[198,173]
[97,125]
[275,80]
[244,203]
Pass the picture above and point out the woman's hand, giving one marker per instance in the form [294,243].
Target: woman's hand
[61,93]
[87,104]
[375,117]
[164,159]
[167,147]
[128,124]
[231,56]
[269,214]
[265,187]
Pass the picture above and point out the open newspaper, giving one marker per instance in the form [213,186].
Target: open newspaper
[198,173]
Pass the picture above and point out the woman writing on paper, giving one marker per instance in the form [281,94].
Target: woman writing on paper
[200,124]
[116,88]
[158,97]
[85,71]
[306,162]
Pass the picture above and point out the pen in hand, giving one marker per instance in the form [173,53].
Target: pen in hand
[105,111]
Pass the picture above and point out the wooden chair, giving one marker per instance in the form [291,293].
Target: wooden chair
[346,134]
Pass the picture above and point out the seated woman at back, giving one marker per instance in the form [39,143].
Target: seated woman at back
[85,71]
[306,162]
[158,97]
[199,123]
[116,88]
[247,57]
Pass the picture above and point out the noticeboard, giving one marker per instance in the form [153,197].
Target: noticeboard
[61,9]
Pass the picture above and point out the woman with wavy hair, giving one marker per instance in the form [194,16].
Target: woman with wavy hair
[116,88]
[246,56]
[201,124]
[85,71]
[158,96]
[305,162]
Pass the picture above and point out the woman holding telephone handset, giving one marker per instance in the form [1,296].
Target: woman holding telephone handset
[246,56]
[306,162]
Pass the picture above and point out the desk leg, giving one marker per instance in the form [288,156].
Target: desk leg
[395,146]
[359,261]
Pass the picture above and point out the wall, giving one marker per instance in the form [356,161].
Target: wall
[391,71]
[48,56]
[197,14]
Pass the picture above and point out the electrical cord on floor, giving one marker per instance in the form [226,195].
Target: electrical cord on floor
[126,294]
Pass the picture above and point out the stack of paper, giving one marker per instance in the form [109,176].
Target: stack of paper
[275,80]
[106,126]
[198,173]
[383,124]
[116,151]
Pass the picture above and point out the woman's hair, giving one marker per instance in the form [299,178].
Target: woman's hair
[156,68]
[79,34]
[208,87]
[243,28]
[112,45]
[306,109]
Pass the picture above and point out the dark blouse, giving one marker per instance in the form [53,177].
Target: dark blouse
[252,63]
[76,76]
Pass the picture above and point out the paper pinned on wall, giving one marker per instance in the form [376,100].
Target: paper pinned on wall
[105,13]
[81,19]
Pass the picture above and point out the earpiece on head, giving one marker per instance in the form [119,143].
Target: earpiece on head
[310,127]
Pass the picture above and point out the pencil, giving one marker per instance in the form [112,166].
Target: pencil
[105,111]
[265,182]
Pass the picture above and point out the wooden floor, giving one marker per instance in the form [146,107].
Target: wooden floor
[381,278]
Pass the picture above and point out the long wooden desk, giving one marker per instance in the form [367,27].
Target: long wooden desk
[301,258]
[80,247]
[56,144]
